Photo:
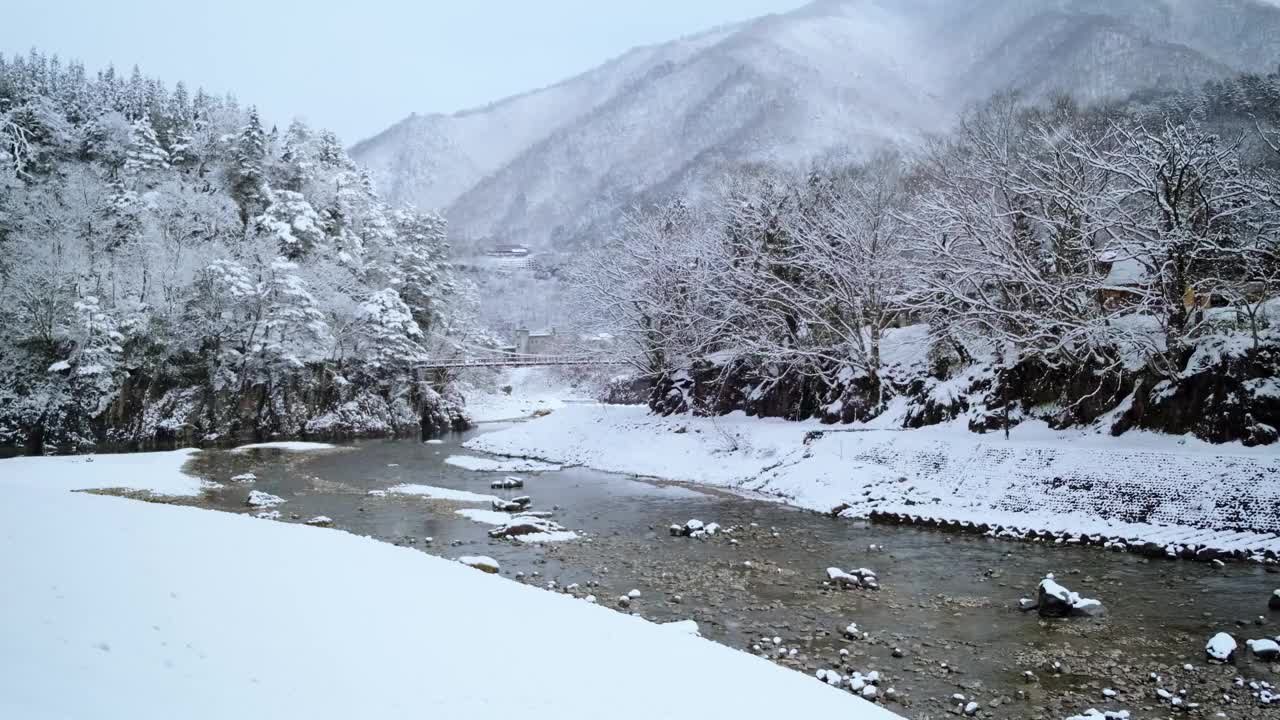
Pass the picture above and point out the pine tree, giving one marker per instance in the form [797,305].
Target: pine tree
[145,152]
[296,164]
[291,222]
[420,266]
[248,183]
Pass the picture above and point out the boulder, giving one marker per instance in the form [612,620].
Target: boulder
[525,525]
[1266,650]
[1055,601]
[1221,648]
[862,577]
[257,498]
[1087,607]
[320,521]
[507,483]
[842,578]
[695,529]
[1274,603]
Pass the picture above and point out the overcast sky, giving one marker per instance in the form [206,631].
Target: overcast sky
[358,66]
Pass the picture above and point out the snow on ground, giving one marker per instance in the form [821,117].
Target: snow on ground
[287,446]
[115,608]
[1039,479]
[533,390]
[158,473]
[478,464]
[439,493]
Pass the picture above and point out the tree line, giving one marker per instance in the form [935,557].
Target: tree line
[172,240]
[1140,236]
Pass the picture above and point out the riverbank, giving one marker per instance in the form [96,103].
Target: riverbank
[1166,495]
[116,608]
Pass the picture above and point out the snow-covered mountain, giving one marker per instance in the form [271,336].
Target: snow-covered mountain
[556,166]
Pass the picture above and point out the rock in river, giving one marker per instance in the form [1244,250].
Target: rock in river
[1266,650]
[1054,600]
[1221,647]
[257,498]
[525,525]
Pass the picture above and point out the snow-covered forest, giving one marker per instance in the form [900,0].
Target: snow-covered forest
[174,268]
[1116,265]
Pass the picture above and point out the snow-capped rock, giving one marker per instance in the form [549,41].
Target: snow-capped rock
[1221,648]
[1054,600]
[528,527]
[1265,649]
[244,478]
[321,521]
[510,482]
[862,577]
[257,498]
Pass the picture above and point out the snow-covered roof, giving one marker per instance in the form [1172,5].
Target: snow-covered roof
[1127,272]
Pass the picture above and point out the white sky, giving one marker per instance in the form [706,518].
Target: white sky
[357,67]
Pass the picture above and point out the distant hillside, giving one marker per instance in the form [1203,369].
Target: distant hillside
[556,166]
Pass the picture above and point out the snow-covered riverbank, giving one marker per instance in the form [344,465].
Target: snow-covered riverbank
[115,608]
[1173,493]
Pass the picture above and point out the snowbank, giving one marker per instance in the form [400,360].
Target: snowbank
[158,473]
[120,609]
[1066,482]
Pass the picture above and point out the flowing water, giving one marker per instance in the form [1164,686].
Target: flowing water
[944,621]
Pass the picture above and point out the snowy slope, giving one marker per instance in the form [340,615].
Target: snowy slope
[429,160]
[115,608]
[556,166]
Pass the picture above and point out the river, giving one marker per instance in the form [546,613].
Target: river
[943,624]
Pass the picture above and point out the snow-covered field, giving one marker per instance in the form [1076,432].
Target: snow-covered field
[114,608]
[1174,492]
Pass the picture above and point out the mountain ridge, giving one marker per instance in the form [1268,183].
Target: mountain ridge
[553,167]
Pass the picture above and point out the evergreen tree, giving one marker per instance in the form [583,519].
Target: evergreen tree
[248,182]
[145,152]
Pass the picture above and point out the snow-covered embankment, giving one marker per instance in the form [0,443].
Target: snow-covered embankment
[1168,495]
